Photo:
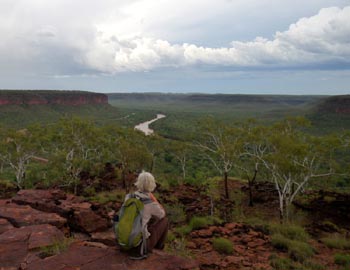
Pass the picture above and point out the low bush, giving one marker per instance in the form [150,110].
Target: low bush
[197,223]
[342,259]
[223,245]
[290,231]
[110,196]
[280,263]
[336,241]
[299,251]
[175,213]
[280,242]
[183,230]
[56,248]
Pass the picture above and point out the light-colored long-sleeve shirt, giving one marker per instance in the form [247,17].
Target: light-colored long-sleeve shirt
[150,210]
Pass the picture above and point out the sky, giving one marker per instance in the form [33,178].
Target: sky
[208,46]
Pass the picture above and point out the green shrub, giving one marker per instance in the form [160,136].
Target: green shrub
[299,251]
[223,245]
[342,259]
[200,222]
[282,263]
[292,232]
[183,230]
[110,196]
[336,241]
[280,242]
[279,263]
[331,227]
[89,191]
[56,248]
[175,213]
[170,237]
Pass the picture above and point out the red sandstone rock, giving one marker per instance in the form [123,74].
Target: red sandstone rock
[24,215]
[81,216]
[83,256]
[107,237]
[5,225]
[191,245]
[88,221]
[16,243]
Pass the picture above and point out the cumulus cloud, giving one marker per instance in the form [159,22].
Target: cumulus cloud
[67,37]
[314,41]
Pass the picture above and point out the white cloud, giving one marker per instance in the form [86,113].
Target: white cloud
[318,40]
[111,36]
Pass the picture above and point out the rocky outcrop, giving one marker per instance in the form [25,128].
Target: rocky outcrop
[16,244]
[81,216]
[91,256]
[251,248]
[34,226]
[326,206]
[70,98]
[24,215]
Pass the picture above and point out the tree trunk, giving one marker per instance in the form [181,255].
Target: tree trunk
[226,185]
[281,199]
[183,172]
[152,164]
[250,184]
[124,178]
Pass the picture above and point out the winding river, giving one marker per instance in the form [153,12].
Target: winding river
[144,127]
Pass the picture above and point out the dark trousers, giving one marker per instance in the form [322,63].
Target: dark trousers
[158,231]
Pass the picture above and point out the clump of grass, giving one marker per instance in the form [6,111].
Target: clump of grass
[280,242]
[183,230]
[331,227]
[110,196]
[175,213]
[290,231]
[223,245]
[342,259]
[300,251]
[280,263]
[297,250]
[336,241]
[170,237]
[199,223]
[57,247]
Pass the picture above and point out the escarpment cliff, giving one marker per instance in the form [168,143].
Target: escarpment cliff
[336,104]
[40,97]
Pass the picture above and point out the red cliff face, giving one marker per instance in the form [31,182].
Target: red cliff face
[336,104]
[70,98]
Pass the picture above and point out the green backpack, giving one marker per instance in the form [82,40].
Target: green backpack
[128,223]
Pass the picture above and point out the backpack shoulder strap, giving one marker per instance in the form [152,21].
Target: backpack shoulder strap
[143,200]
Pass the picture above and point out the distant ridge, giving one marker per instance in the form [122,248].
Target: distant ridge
[51,97]
[217,98]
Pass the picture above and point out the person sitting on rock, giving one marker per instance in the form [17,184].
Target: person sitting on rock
[154,220]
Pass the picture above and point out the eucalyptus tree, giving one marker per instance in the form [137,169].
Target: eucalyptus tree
[254,148]
[293,158]
[181,151]
[18,148]
[221,145]
[76,145]
[132,153]
[155,147]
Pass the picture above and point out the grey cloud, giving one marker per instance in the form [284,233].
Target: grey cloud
[317,40]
